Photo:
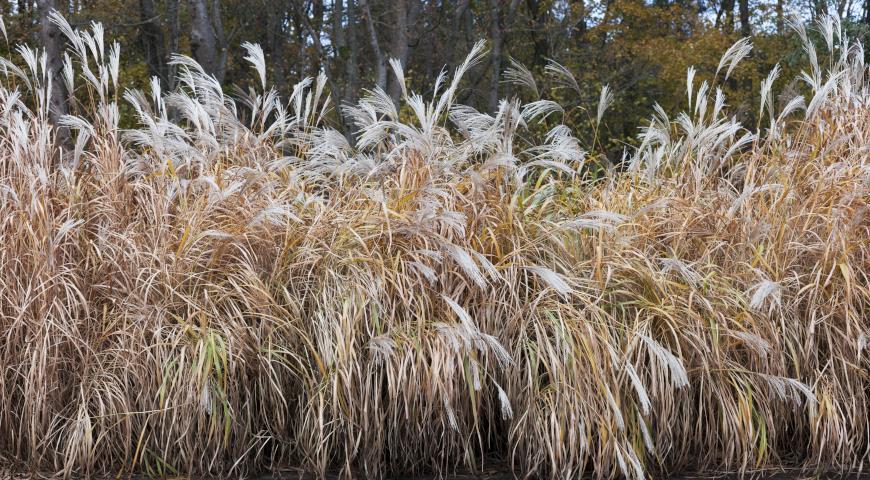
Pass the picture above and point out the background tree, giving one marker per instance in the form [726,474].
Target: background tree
[207,39]
[54,42]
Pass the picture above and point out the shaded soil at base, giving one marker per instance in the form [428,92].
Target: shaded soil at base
[491,474]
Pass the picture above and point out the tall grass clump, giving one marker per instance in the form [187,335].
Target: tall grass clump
[234,286]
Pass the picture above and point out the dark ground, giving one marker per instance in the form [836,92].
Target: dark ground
[8,474]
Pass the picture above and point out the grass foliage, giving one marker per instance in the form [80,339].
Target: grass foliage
[233,285]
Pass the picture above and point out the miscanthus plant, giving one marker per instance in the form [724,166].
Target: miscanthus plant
[234,286]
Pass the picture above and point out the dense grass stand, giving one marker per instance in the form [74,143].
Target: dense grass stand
[233,286]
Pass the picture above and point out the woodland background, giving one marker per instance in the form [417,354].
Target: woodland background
[641,49]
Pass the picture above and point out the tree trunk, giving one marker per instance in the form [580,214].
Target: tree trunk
[842,8]
[470,34]
[399,46]
[338,39]
[455,33]
[324,55]
[217,23]
[172,18]
[496,37]
[498,27]
[153,41]
[54,43]
[380,61]
[745,28]
[275,39]
[351,66]
[780,21]
[316,29]
[539,33]
[206,38]
[579,11]
[726,10]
